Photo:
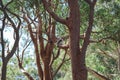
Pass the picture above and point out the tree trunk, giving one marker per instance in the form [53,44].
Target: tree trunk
[46,70]
[4,70]
[79,71]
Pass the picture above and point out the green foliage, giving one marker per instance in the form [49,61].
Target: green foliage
[106,24]
[107,20]
[13,72]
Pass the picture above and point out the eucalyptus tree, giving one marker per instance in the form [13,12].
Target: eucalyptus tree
[42,33]
[77,19]
[72,22]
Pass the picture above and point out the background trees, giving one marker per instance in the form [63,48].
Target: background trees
[6,20]
[39,29]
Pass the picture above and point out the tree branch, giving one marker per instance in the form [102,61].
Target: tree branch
[2,40]
[17,16]
[88,1]
[98,75]
[40,71]
[8,3]
[23,70]
[54,16]
[27,44]
[89,29]
[91,3]
[63,61]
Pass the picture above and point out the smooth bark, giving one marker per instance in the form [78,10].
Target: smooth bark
[77,58]
[46,70]
[79,71]
[4,71]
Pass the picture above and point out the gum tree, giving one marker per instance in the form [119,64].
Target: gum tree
[72,22]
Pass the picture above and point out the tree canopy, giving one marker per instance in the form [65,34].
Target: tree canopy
[60,39]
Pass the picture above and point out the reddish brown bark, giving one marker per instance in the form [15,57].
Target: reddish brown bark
[77,59]
[34,39]
[79,70]
[90,24]
[45,52]
[73,23]
[47,75]
[46,58]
